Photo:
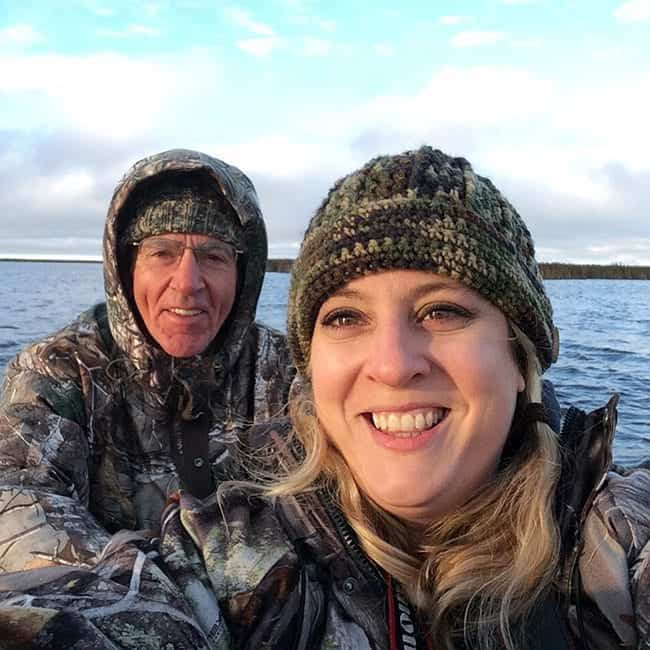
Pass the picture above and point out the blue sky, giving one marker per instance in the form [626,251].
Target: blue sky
[550,99]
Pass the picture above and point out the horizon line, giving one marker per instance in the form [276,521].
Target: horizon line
[97,259]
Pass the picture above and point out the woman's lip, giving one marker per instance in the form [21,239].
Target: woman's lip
[404,442]
[419,406]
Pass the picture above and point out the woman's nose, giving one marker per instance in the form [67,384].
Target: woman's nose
[397,355]
[187,277]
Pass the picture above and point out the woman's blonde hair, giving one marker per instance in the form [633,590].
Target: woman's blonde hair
[480,570]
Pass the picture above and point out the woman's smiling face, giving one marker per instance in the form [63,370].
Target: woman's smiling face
[415,383]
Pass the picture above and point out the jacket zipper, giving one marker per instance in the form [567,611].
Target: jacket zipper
[349,539]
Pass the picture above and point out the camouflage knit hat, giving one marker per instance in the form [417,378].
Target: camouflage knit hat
[420,210]
[180,202]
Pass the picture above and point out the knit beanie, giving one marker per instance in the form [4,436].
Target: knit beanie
[427,211]
[180,202]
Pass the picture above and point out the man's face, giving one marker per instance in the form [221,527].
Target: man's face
[184,296]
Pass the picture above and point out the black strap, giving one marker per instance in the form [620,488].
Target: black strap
[546,628]
[405,630]
[534,412]
[190,454]
[552,406]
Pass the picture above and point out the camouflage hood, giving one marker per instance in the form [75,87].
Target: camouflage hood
[144,359]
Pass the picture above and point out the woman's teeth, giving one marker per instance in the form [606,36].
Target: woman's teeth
[407,423]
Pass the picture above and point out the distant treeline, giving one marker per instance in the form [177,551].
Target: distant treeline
[559,271]
[279,266]
[550,271]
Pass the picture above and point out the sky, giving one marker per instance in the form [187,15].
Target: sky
[549,99]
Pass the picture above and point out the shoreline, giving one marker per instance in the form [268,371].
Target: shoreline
[550,270]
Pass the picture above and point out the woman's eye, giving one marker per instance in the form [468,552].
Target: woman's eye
[341,319]
[444,316]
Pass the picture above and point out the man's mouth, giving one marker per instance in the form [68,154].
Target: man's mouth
[407,424]
[185,312]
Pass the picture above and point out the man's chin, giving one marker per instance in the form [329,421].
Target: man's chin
[184,347]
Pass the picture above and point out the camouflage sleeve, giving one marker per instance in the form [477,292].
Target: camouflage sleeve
[274,373]
[126,601]
[614,567]
[44,454]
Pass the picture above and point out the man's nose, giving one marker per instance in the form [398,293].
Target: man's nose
[187,276]
[398,354]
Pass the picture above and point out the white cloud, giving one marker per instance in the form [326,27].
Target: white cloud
[635,252]
[72,185]
[104,11]
[242,18]
[384,49]
[131,31]
[568,175]
[527,43]
[259,46]
[19,35]
[476,38]
[277,156]
[316,47]
[143,30]
[301,20]
[152,9]
[548,144]
[633,11]
[27,245]
[295,5]
[80,91]
[520,2]
[327,25]
[284,249]
[506,94]
[452,20]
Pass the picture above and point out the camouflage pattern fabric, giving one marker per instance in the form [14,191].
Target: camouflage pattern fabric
[240,571]
[85,419]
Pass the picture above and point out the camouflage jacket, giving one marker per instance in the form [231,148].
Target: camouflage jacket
[88,415]
[239,571]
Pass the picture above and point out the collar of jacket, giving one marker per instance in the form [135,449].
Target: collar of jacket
[586,442]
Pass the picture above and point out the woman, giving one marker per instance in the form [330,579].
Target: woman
[423,501]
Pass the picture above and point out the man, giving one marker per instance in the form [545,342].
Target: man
[95,419]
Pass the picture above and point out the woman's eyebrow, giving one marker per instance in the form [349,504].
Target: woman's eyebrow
[345,293]
[418,292]
[438,285]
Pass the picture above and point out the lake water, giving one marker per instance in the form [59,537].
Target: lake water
[604,332]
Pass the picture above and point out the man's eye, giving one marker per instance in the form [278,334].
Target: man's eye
[214,257]
[444,316]
[162,253]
